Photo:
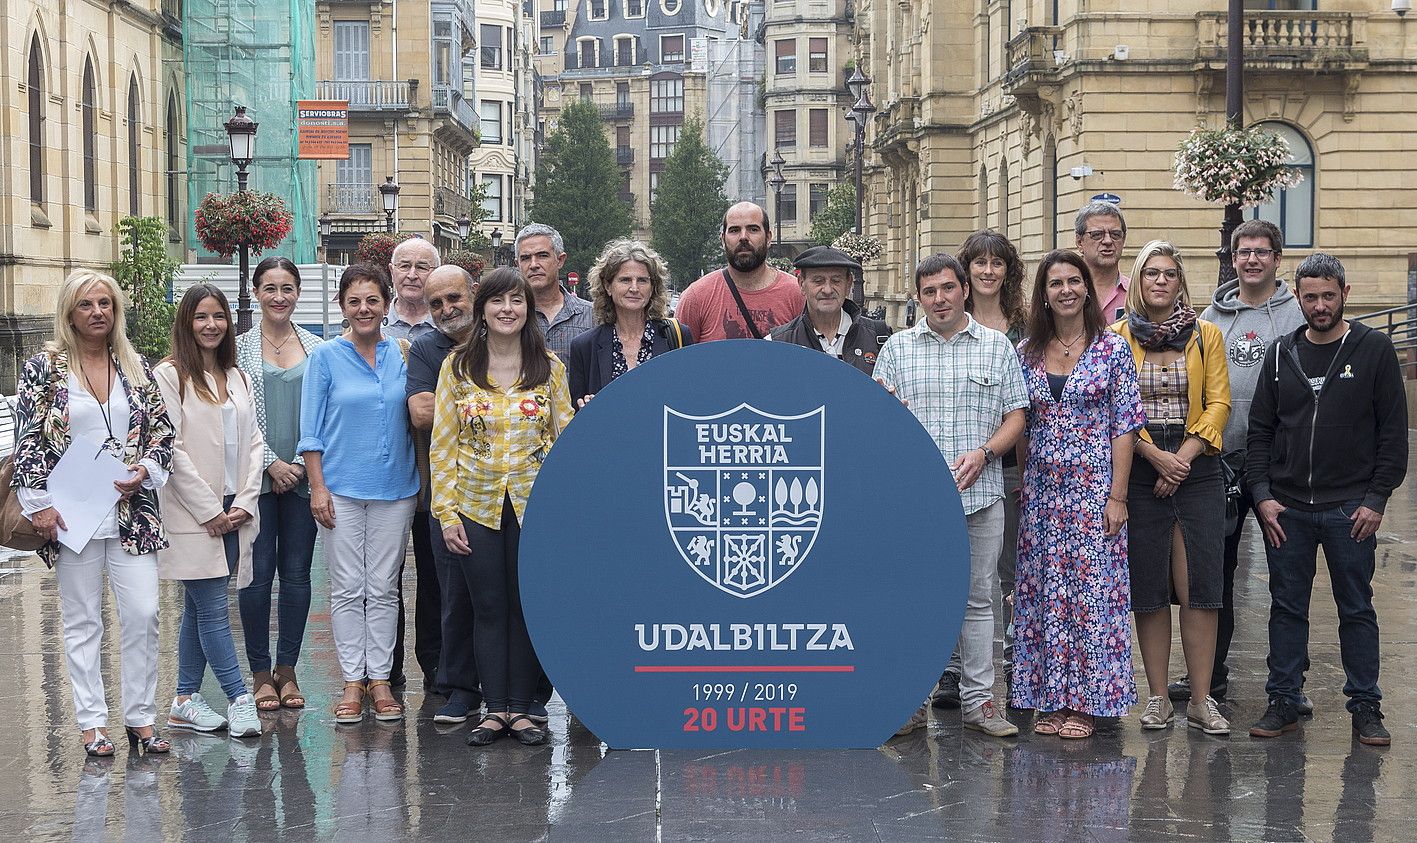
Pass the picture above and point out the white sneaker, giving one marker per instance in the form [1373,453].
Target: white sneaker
[195,715]
[242,716]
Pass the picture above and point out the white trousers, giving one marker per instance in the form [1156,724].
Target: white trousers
[363,553]
[134,583]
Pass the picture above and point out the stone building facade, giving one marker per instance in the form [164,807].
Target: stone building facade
[1012,114]
[94,133]
[505,161]
[403,65]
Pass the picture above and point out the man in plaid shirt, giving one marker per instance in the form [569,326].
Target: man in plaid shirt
[964,383]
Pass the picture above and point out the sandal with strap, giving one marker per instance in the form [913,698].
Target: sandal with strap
[153,744]
[100,746]
[386,710]
[265,691]
[1076,727]
[483,736]
[532,735]
[1049,723]
[290,694]
[351,711]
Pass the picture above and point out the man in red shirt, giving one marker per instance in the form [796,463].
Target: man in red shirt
[747,298]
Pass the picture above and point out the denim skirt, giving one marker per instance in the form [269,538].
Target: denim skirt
[1198,506]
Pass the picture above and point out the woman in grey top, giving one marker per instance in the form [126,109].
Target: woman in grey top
[273,354]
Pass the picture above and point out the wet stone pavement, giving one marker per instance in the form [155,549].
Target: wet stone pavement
[305,779]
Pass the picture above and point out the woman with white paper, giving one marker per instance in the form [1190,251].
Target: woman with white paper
[90,384]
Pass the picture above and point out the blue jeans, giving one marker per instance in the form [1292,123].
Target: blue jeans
[285,545]
[1291,582]
[205,635]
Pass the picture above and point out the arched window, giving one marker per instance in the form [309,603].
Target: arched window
[1050,193]
[35,83]
[173,164]
[135,139]
[88,108]
[1003,227]
[983,197]
[1293,209]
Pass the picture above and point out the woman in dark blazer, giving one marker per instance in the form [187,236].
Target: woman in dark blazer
[629,292]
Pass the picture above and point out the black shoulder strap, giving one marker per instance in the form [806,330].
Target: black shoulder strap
[742,308]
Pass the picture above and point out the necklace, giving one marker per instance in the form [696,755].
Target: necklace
[111,443]
[274,344]
[1068,346]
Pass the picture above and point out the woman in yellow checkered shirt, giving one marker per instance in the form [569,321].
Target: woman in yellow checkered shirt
[489,440]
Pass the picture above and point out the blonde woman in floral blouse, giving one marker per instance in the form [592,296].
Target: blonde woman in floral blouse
[501,401]
[90,383]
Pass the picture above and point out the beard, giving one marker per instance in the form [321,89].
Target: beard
[748,261]
[457,326]
[1326,322]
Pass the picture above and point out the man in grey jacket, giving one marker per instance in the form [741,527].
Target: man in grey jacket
[1251,311]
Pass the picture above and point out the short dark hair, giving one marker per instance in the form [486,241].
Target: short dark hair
[272,263]
[1319,265]
[356,272]
[935,264]
[1258,228]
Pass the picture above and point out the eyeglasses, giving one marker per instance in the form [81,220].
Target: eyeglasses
[405,266]
[1115,234]
[1246,254]
[1152,273]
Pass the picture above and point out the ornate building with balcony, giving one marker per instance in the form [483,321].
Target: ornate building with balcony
[808,61]
[649,65]
[504,164]
[1011,115]
[405,67]
[95,131]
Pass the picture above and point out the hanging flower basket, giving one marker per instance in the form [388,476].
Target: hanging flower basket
[1230,166]
[378,247]
[224,221]
[863,247]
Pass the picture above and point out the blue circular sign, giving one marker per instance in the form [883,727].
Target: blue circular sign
[744,544]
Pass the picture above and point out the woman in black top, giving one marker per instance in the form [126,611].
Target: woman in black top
[629,292]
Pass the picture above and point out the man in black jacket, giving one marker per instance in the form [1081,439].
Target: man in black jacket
[1327,446]
[831,321]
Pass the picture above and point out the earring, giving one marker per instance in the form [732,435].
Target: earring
[1047,306]
[344,324]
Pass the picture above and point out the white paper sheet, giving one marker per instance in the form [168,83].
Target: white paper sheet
[81,485]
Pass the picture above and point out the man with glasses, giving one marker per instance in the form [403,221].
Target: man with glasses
[1101,234]
[1253,310]
[412,262]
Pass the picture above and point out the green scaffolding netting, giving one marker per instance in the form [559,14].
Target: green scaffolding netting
[260,54]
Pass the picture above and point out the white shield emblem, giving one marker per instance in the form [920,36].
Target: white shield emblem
[743,493]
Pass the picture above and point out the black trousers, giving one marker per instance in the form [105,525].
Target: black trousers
[506,662]
[457,661]
[427,608]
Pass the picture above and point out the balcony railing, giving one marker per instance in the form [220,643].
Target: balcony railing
[368,95]
[549,19]
[449,100]
[1288,39]
[616,110]
[624,155]
[1030,58]
[352,199]
[450,203]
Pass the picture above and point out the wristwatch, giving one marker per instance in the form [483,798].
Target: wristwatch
[988,454]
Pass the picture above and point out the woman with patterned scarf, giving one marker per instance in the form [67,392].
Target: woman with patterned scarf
[1175,545]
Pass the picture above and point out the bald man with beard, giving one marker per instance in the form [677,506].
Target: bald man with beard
[747,298]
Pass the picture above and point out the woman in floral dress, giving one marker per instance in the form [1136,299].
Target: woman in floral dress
[1072,624]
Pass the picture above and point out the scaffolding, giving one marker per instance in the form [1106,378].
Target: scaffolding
[260,54]
[736,120]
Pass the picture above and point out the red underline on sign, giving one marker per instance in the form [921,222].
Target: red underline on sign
[745,668]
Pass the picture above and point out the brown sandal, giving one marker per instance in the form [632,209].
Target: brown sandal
[1076,727]
[1050,723]
[290,694]
[385,710]
[265,691]
[351,711]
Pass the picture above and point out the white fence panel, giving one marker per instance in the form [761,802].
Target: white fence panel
[313,312]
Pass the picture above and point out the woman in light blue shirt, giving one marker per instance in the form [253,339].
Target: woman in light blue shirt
[354,437]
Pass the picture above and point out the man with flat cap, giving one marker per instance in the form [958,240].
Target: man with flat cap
[831,321]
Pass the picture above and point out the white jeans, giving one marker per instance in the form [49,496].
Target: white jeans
[134,583]
[363,553]
[975,650]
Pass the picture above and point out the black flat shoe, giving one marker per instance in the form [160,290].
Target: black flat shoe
[530,736]
[483,736]
[153,744]
[100,746]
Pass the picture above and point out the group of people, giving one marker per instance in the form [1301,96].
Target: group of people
[428,417]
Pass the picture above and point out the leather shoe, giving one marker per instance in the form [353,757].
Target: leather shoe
[484,736]
[531,735]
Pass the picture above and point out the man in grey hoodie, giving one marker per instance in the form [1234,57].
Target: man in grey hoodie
[1251,311]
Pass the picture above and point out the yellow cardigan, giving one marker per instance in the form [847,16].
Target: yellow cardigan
[1206,369]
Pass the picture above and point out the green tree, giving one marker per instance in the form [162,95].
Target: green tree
[687,213]
[145,272]
[578,187]
[837,218]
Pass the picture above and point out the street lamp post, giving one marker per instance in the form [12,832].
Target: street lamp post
[241,136]
[496,238]
[1234,116]
[777,180]
[389,193]
[327,226]
[860,112]
[464,228]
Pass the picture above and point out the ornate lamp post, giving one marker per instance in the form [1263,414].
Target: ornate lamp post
[496,238]
[1234,116]
[859,114]
[241,136]
[777,180]
[389,192]
[464,227]
[327,226]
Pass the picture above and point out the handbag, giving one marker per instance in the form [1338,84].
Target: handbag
[16,531]
[1232,475]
